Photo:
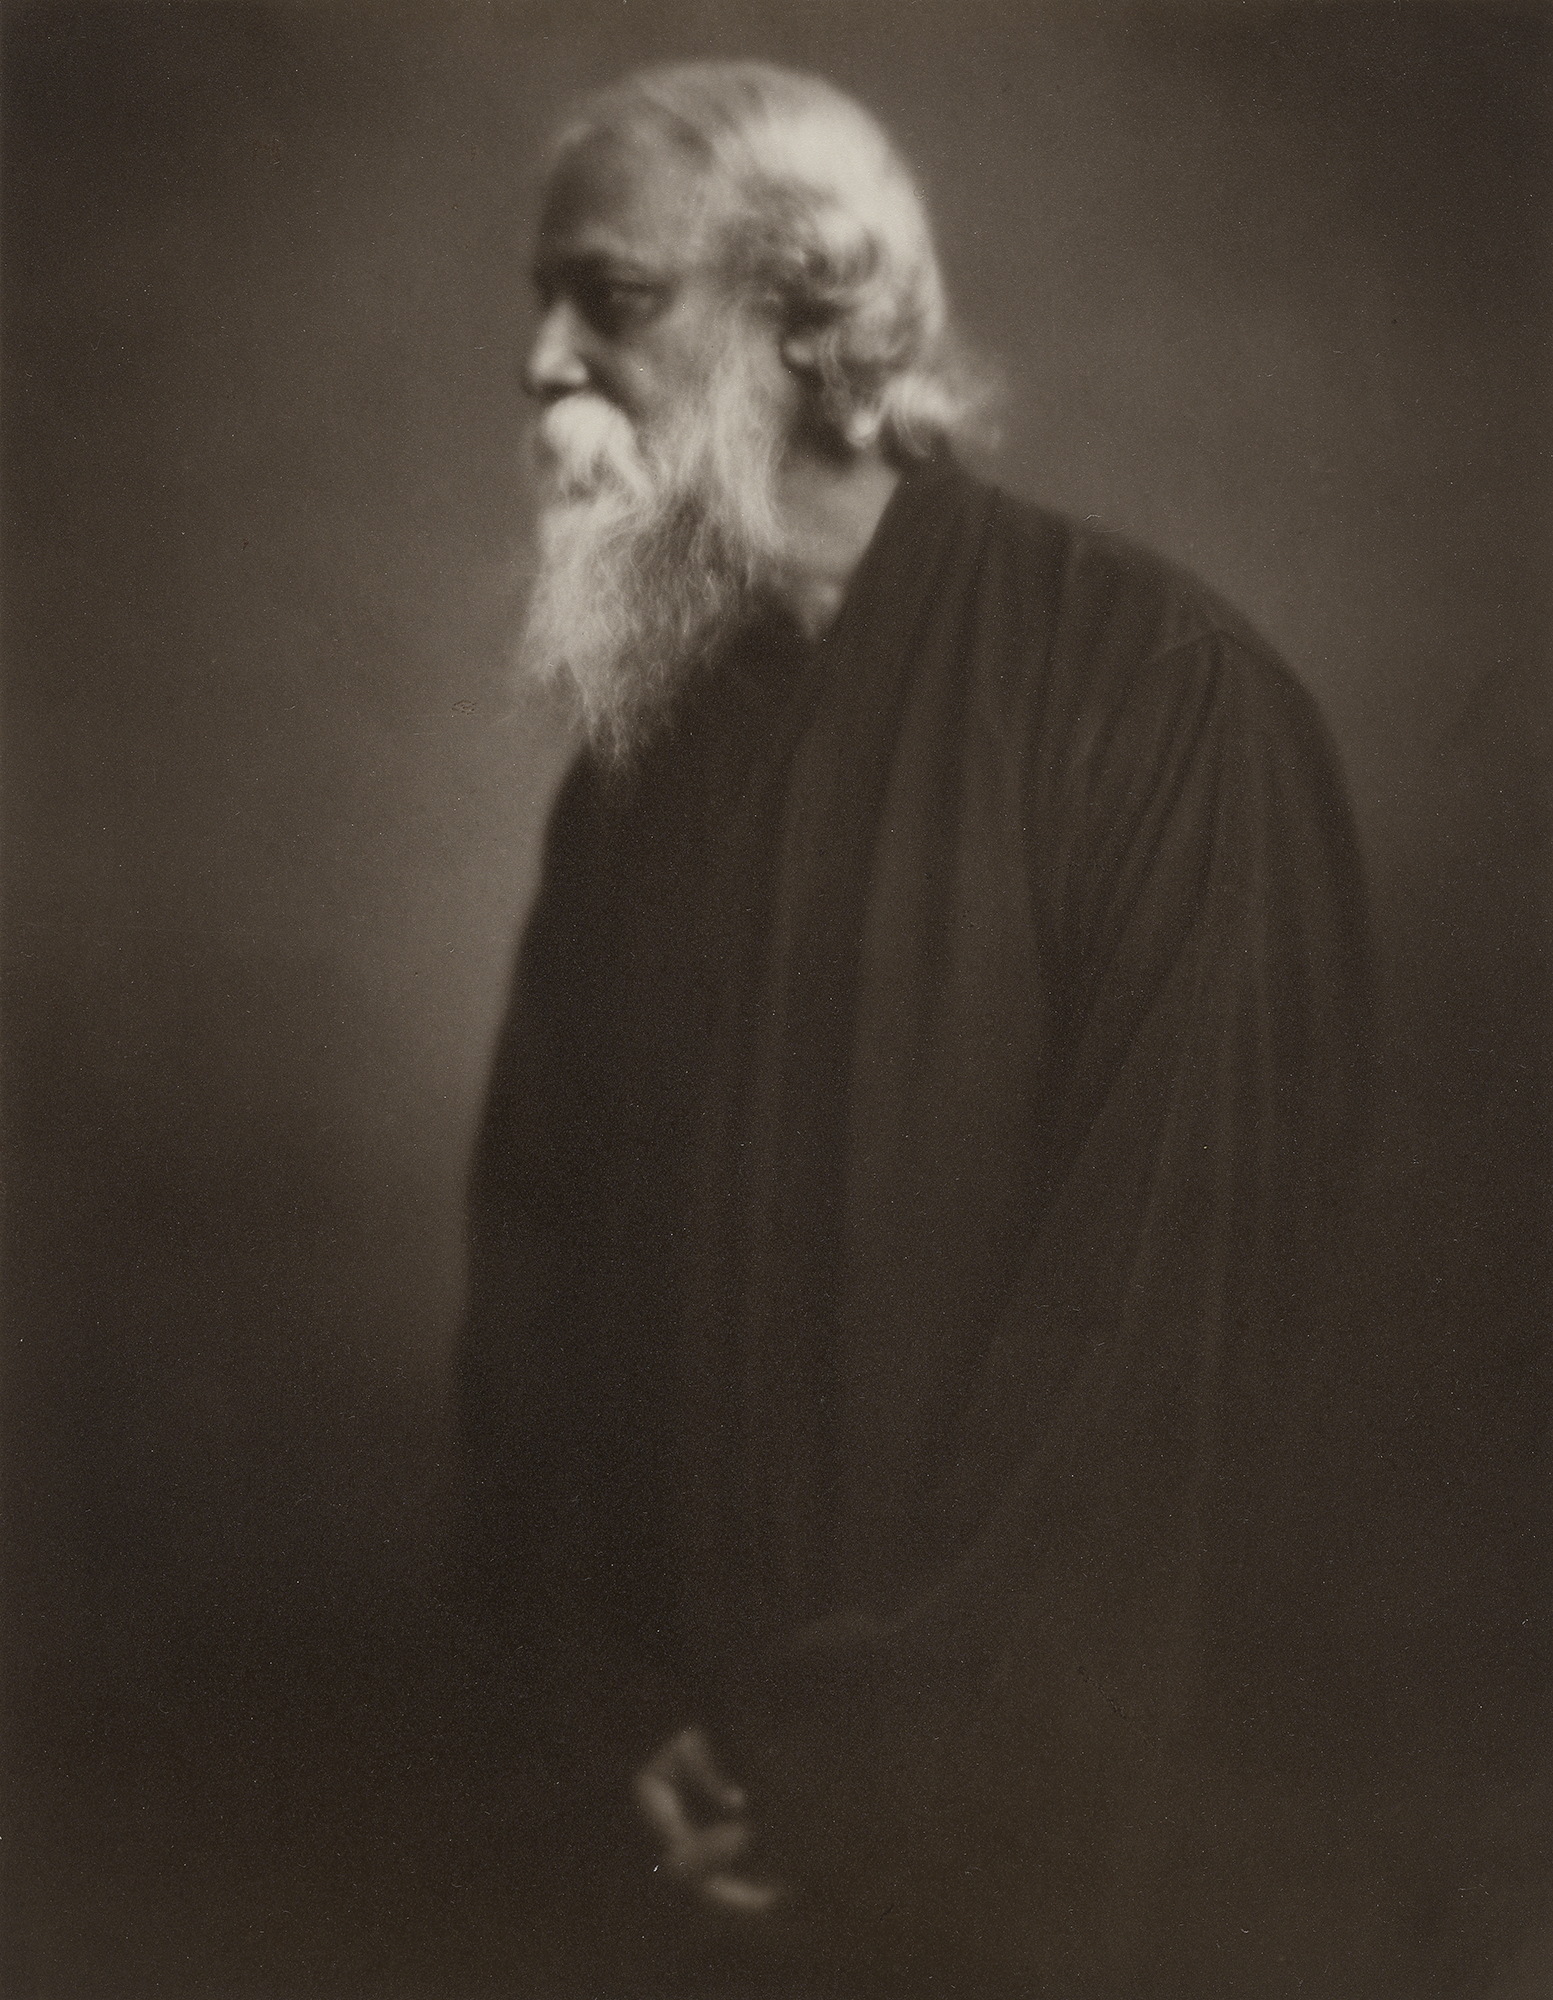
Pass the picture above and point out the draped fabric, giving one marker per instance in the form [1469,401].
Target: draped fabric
[904,1241]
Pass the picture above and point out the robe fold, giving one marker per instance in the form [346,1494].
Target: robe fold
[906,1246]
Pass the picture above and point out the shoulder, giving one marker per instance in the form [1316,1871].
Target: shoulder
[1095,592]
[1131,710]
[1102,639]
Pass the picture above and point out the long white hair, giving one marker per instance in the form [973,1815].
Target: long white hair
[827,229]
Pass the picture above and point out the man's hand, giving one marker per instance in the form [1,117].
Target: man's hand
[698,1818]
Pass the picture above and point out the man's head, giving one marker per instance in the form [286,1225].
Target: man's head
[734,273]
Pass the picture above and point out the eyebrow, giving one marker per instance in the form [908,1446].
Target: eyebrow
[614,265]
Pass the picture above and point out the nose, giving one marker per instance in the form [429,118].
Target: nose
[556,364]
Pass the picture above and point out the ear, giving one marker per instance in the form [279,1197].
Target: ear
[801,352]
[862,429]
[857,427]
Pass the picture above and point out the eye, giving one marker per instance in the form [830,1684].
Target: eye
[614,305]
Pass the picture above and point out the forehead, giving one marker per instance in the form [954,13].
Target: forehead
[632,195]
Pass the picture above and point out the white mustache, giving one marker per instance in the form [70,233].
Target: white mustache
[587,446]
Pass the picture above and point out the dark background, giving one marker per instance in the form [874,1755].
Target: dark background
[1271,287]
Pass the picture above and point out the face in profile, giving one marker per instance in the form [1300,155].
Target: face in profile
[666,406]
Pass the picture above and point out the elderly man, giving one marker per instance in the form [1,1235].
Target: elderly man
[903,1215]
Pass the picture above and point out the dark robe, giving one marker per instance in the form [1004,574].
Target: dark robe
[902,1308]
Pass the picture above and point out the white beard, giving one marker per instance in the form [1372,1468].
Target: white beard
[652,551]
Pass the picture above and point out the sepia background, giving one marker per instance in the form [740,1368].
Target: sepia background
[1270,288]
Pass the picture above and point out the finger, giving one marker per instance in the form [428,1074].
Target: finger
[693,1757]
[661,1804]
[745,1898]
[706,1850]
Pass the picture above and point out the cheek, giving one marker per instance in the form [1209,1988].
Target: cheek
[635,387]
[641,389]
[702,344]
[777,395]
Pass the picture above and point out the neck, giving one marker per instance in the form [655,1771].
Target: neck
[830,509]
